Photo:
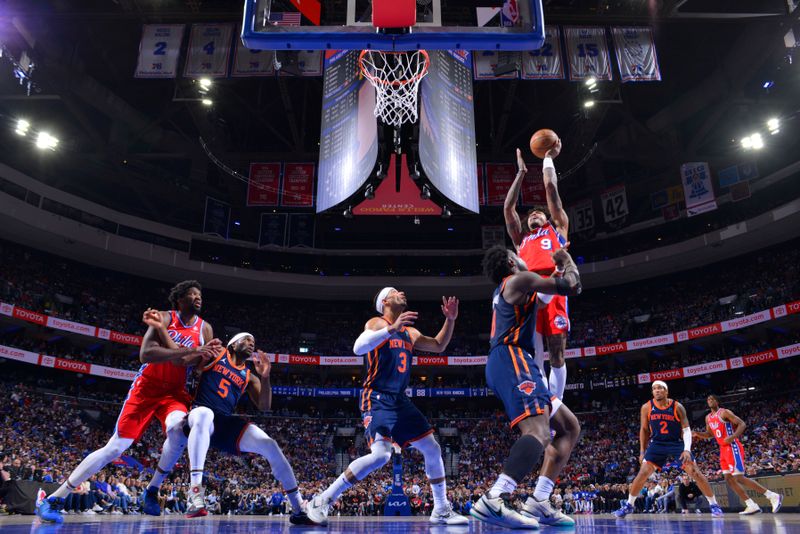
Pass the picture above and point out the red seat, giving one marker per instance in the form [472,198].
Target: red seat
[394,13]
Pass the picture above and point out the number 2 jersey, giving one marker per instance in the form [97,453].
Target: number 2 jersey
[536,249]
[665,423]
[222,384]
[389,365]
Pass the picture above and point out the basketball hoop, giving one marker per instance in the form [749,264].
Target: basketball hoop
[396,77]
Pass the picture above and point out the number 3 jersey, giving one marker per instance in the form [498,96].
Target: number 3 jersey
[389,364]
[221,384]
[536,249]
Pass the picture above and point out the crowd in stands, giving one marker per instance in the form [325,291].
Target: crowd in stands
[38,446]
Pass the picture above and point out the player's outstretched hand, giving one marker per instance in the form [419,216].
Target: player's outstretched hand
[521,167]
[404,319]
[450,308]
[686,457]
[729,440]
[152,317]
[561,258]
[261,363]
[554,151]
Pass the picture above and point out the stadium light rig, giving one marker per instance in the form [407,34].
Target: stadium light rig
[22,127]
[774,126]
[753,141]
[46,141]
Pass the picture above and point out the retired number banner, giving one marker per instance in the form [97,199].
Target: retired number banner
[581,216]
[209,50]
[636,54]
[298,184]
[615,203]
[485,62]
[587,52]
[697,188]
[159,50]
[547,62]
[247,62]
[264,184]
[499,177]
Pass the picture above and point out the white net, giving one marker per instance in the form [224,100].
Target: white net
[396,77]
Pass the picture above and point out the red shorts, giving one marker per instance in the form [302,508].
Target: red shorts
[553,318]
[143,404]
[731,458]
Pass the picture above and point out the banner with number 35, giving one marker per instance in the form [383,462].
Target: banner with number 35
[159,50]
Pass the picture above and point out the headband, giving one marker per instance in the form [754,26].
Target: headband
[660,383]
[239,336]
[382,295]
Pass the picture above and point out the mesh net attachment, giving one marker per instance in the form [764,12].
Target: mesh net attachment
[396,77]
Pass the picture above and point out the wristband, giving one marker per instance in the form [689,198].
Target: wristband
[547,163]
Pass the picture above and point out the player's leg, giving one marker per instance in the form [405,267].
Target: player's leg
[567,431]
[555,328]
[775,499]
[201,427]
[653,460]
[705,488]
[172,414]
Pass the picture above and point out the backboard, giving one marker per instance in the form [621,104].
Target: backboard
[517,26]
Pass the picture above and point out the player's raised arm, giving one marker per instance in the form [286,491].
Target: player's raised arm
[513,223]
[376,332]
[568,284]
[644,430]
[260,389]
[730,417]
[439,343]
[158,347]
[559,216]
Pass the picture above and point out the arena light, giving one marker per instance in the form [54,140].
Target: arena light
[591,82]
[774,125]
[207,102]
[22,127]
[758,141]
[588,104]
[46,141]
[747,143]
[205,83]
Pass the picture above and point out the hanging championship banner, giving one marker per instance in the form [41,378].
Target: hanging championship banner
[697,188]
[217,217]
[481,185]
[499,177]
[614,202]
[209,50]
[247,62]
[587,52]
[533,193]
[486,61]
[636,54]
[273,229]
[545,63]
[264,184]
[159,50]
[298,184]
[581,216]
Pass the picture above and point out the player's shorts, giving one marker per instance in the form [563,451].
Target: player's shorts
[515,379]
[731,458]
[553,318]
[658,452]
[228,432]
[393,417]
[144,403]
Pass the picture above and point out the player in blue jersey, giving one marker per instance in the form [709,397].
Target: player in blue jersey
[664,433]
[517,378]
[388,415]
[212,422]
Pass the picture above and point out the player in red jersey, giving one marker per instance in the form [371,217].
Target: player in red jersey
[723,425]
[158,390]
[536,241]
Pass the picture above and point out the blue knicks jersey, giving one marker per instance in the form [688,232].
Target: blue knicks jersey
[222,384]
[665,425]
[389,365]
[513,325]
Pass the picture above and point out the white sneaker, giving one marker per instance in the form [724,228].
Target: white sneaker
[776,502]
[446,516]
[97,508]
[116,512]
[196,502]
[751,509]
[89,512]
[495,512]
[544,512]
[318,509]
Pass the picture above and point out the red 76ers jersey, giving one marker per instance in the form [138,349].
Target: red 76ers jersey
[167,375]
[536,249]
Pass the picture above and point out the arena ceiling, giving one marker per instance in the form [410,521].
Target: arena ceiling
[134,144]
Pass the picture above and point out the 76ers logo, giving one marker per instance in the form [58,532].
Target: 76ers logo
[527,387]
[367,421]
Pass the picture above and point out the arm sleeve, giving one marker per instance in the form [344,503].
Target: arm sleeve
[369,339]
[687,439]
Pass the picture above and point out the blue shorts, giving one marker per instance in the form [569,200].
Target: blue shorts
[658,452]
[394,417]
[515,379]
[228,432]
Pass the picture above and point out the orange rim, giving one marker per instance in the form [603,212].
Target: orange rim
[372,78]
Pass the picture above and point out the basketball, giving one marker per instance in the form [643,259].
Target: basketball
[542,141]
